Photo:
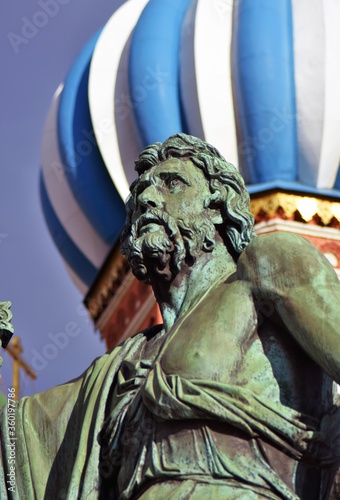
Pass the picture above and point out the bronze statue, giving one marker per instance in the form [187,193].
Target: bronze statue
[233,397]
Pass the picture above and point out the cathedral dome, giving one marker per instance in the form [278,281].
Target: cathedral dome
[258,80]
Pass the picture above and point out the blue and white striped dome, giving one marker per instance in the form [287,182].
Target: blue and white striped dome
[259,80]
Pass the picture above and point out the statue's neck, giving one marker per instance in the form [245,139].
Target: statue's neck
[176,299]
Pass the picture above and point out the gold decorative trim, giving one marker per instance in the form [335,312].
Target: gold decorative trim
[107,283]
[296,207]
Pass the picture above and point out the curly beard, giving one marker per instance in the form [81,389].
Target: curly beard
[163,249]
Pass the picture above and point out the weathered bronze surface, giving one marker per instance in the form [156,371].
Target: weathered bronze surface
[6,328]
[234,396]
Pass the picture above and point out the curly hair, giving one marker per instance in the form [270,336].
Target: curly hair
[228,190]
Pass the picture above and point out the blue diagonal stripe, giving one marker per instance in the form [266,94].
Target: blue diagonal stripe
[70,252]
[263,69]
[85,170]
[154,70]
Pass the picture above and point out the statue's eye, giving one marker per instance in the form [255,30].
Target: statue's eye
[173,182]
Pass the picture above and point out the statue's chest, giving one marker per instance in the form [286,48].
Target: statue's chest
[211,340]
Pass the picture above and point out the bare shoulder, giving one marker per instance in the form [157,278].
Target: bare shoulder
[284,260]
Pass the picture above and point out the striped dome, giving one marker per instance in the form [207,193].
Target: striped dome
[258,80]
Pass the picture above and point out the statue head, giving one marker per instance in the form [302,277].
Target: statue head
[186,192]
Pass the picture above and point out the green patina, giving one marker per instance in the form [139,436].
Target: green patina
[233,397]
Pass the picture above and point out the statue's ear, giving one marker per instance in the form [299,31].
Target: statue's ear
[211,204]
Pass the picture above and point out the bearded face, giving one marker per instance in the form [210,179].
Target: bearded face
[157,243]
[168,220]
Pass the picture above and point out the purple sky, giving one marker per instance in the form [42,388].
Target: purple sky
[33,277]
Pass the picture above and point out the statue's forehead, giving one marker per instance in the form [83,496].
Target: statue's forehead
[170,165]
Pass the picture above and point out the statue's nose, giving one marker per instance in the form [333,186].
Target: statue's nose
[150,197]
